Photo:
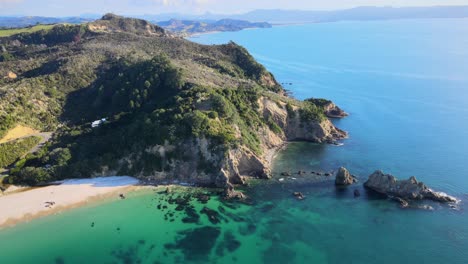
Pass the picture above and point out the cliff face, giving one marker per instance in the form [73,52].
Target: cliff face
[295,128]
[234,166]
[175,111]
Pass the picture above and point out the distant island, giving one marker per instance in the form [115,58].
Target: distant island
[190,27]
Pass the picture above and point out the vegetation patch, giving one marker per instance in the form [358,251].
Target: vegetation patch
[11,151]
[13,31]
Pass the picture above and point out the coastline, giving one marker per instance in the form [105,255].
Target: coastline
[24,206]
[198,34]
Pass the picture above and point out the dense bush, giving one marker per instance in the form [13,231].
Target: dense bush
[31,176]
[127,87]
[311,112]
[56,35]
[5,56]
[6,122]
[318,101]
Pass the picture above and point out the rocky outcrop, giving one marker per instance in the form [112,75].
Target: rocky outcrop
[344,178]
[404,190]
[11,75]
[241,162]
[333,111]
[294,128]
[112,23]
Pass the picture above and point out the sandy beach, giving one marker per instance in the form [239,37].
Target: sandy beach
[26,205]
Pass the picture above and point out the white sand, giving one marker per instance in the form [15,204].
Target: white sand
[24,206]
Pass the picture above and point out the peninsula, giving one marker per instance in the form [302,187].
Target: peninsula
[192,27]
[124,97]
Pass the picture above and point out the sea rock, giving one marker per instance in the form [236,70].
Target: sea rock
[229,193]
[409,189]
[357,193]
[343,177]
[299,195]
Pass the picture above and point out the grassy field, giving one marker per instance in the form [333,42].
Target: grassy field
[18,132]
[13,31]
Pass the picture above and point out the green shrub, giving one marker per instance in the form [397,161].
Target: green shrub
[30,176]
[274,127]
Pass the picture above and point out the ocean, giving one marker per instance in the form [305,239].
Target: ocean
[404,84]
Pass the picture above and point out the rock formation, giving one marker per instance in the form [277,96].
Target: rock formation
[356,193]
[404,190]
[343,177]
[333,111]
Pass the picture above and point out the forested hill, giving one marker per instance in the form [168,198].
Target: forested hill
[173,109]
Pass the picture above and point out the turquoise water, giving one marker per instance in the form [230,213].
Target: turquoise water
[405,85]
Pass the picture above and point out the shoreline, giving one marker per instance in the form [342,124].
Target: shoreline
[24,206]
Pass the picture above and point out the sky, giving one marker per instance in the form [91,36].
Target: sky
[140,7]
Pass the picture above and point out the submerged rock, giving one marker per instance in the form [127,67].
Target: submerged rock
[212,215]
[403,203]
[357,193]
[409,189]
[343,177]
[196,244]
[230,194]
[299,195]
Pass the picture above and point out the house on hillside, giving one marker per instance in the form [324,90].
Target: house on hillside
[98,122]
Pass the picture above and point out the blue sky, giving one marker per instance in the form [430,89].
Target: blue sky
[77,7]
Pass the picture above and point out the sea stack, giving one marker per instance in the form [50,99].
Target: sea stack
[344,178]
[409,189]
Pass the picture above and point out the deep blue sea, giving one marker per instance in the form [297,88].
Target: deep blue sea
[404,84]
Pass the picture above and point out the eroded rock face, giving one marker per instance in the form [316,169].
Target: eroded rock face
[343,177]
[297,130]
[206,164]
[333,111]
[409,189]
